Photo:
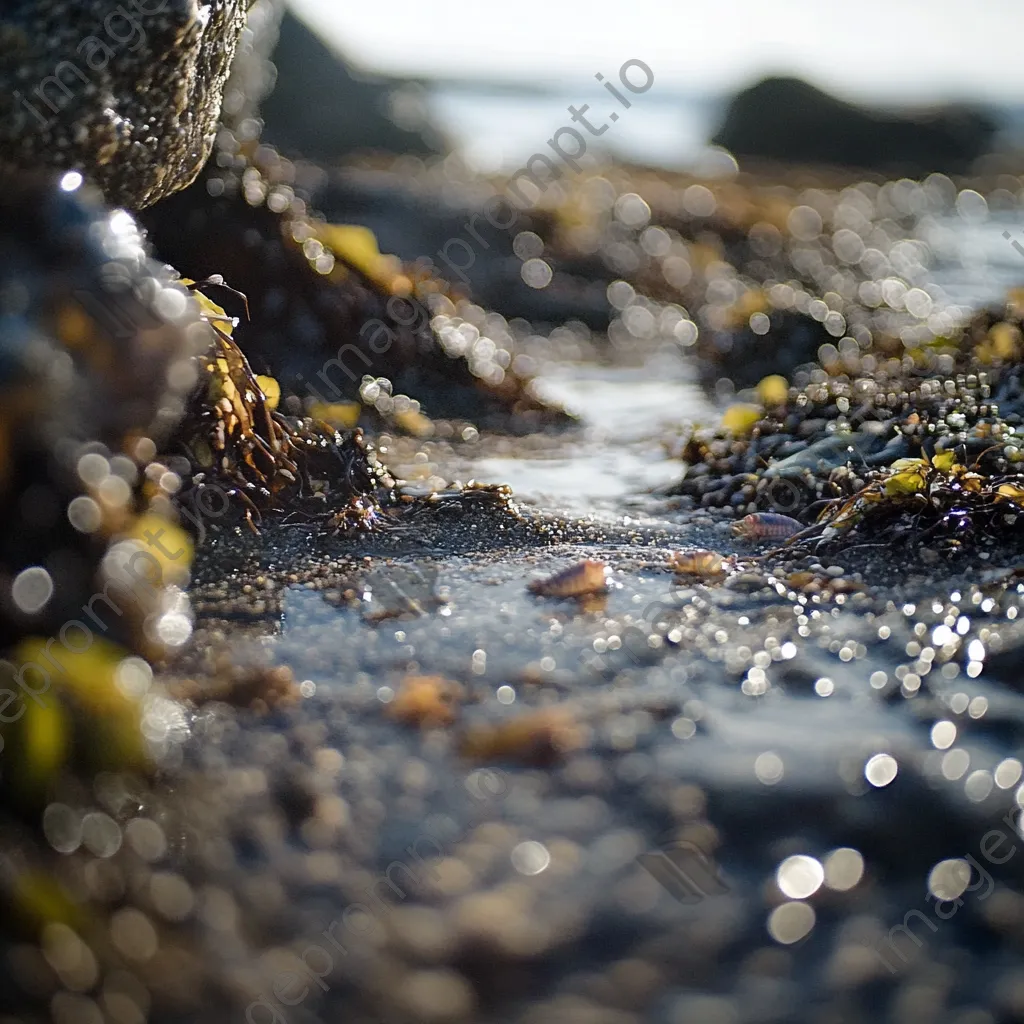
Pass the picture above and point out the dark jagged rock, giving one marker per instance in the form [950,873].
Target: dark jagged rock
[322,333]
[130,93]
[789,120]
[745,357]
[324,110]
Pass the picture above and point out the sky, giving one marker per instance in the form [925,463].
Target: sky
[920,50]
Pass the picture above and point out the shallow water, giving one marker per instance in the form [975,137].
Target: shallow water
[497,131]
[974,262]
[619,455]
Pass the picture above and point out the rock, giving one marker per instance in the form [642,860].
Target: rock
[744,357]
[96,342]
[324,110]
[790,120]
[96,359]
[129,93]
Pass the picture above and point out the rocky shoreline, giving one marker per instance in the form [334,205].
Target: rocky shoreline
[349,758]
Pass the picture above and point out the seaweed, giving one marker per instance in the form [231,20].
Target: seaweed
[237,441]
[938,500]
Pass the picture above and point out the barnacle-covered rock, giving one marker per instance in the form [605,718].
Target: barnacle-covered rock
[129,93]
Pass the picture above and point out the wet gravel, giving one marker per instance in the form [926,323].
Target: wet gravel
[348,862]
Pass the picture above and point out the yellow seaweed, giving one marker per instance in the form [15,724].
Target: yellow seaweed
[741,417]
[773,390]
[271,390]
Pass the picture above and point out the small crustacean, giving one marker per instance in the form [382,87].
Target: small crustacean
[766,526]
[697,562]
[579,580]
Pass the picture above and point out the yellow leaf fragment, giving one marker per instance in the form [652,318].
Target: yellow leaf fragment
[271,390]
[741,417]
[907,482]
[166,543]
[337,414]
[210,309]
[357,245]
[95,681]
[414,423]
[1010,492]
[773,390]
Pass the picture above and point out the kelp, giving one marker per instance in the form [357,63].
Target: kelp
[239,442]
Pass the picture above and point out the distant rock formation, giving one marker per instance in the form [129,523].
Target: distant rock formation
[324,110]
[789,120]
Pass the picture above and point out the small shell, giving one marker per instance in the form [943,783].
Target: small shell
[697,562]
[766,526]
[540,737]
[589,577]
[426,701]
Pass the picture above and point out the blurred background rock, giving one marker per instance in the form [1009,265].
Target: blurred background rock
[325,108]
[495,84]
